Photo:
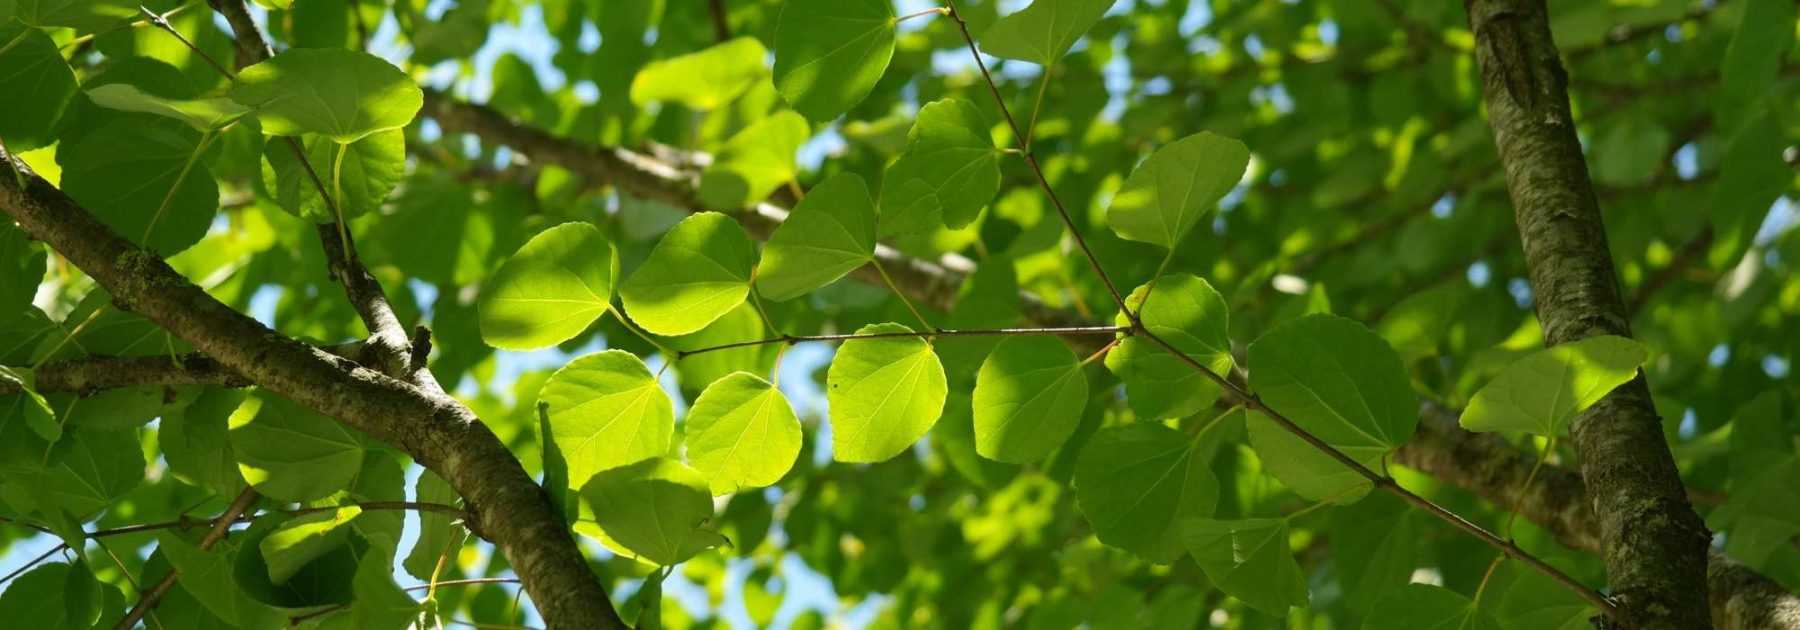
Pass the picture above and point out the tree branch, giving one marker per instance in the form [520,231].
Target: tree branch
[437,431]
[1654,544]
[220,526]
[1489,467]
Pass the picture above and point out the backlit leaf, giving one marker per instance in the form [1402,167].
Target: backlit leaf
[1028,398]
[606,410]
[742,434]
[1173,190]
[829,234]
[704,79]
[885,393]
[550,290]
[699,271]
[1248,559]
[341,94]
[1043,32]
[657,510]
[1543,392]
[830,53]
[950,170]
[292,453]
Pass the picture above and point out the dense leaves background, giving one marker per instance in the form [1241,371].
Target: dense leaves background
[1362,276]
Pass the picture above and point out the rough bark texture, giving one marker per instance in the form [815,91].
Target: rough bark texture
[1653,543]
[510,509]
[1489,467]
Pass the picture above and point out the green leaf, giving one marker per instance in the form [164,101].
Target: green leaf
[704,79]
[697,371]
[146,181]
[1543,392]
[829,234]
[1248,559]
[380,604]
[33,409]
[699,271]
[85,16]
[196,441]
[93,470]
[440,535]
[950,170]
[830,53]
[22,264]
[1173,190]
[550,290]
[1028,399]
[607,410]
[203,114]
[208,575]
[1753,60]
[325,581]
[1044,31]
[1308,471]
[292,453]
[37,83]
[1338,381]
[1427,607]
[1186,312]
[341,94]
[81,596]
[884,394]
[654,510]
[358,175]
[303,539]
[1137,482]
[754,162]
[40,599]
[1532,600]
[1376,548]
[742,433]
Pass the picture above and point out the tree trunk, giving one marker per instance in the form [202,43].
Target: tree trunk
[1654,544]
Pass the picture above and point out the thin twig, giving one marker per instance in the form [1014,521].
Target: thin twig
[220,526]
[721,21]
[926,334]
[1025,151]
[34,562]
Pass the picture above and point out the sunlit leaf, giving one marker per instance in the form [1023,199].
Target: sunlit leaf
[830,53]
[341,94]
[742,434]
[550,290]
[829,234]
[656,510]
[885,393]
[1028,398]
[1543,392]
[699,271]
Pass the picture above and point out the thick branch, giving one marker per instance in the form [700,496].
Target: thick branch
[1489,467]
[1654,544]
[441,434]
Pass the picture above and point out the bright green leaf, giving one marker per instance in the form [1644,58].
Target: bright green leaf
[829,234]
[754,162]
[607,410]
[292,453]
[1308,471]
[203,114]
[1248,559]
[1137,482]
[1543,392]
[656,510]
[1187,312]
[550,290]
[704,79]
[305,538]
[1044,31]
[1028,398]
[1173,190]
[341,94]
[884,394]
[950,170]
[830,53]
[742,434]
[358,175]
[699,271]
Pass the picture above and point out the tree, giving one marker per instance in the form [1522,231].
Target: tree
[1073,312]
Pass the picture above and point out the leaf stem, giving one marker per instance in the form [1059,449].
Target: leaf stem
[668,355]
[1387,484]
[1031,161]
[900,294]
[927,334]
[1102,351]
[1512,515]
[1037,107]
[931,11]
